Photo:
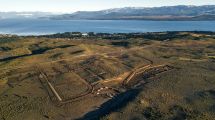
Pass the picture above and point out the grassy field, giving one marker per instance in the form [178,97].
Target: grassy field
[88,74]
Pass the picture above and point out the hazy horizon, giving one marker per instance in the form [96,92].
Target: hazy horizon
[68,6]
[101,9]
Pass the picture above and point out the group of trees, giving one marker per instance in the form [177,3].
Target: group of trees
[122,36]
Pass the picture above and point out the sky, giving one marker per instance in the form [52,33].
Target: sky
[67,6]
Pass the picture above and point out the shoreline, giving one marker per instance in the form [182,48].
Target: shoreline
[85,34]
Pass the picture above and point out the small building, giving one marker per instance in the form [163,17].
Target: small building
[84,34]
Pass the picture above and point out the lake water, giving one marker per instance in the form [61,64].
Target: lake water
[39,27]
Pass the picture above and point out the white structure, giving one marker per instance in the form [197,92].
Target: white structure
[84,34]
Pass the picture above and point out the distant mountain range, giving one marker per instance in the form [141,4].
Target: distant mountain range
[11,15]
[181,12]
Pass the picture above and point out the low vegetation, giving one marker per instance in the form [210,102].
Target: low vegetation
[88,73]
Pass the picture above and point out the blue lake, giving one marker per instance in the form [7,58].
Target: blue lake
[42,26]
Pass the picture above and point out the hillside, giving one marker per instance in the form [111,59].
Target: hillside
[137,76]
[182,12]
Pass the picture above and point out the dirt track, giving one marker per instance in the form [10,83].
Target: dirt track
[136,71]
[44,80]
[146,71]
